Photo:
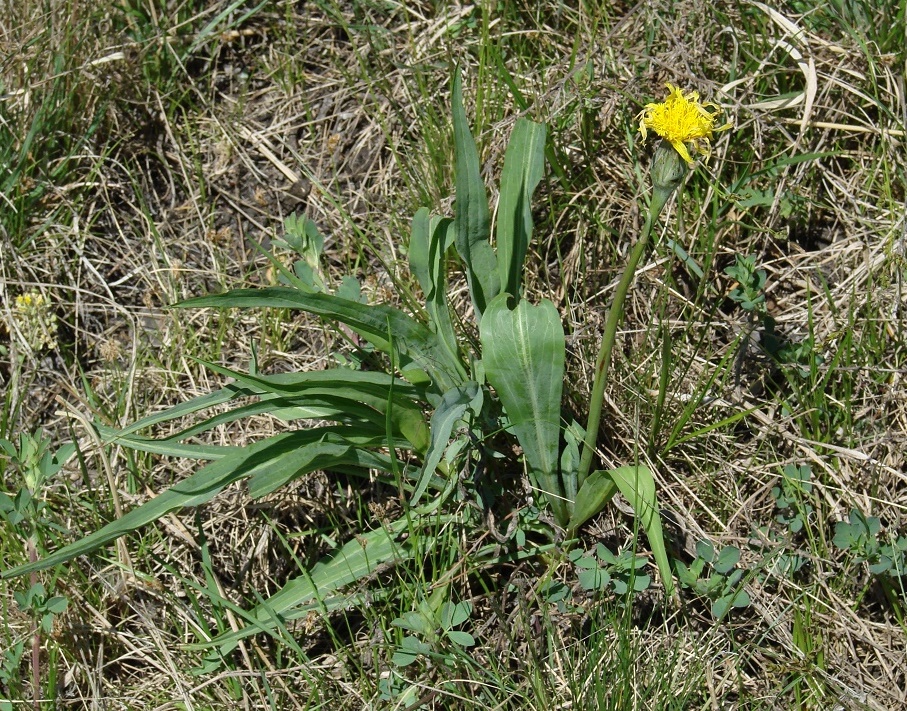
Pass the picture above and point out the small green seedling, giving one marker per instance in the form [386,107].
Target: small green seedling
[749,294]
[601,570]
[10,676]
[781,560]
[722,584]
[859,535]
[750,284]
[301,236]
[431,630]
[26,514]
[790,496]
[43,607]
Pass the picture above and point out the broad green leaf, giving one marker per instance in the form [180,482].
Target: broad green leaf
[472,219]
[453,406]
[523,355]
[464,639]
[727,559]
[409,651]
[524,163]
[415,621]
[277,453]
[455,614]
[379,324]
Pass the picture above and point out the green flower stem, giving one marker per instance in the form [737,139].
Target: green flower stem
[660,197]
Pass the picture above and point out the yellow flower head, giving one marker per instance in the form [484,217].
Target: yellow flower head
[682,121]
[36,321]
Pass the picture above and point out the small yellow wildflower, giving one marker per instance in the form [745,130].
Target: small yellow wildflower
[682,121]
[35,318]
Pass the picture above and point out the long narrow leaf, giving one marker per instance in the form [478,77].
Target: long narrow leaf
[329,453]
[218,397]
[429,243]
[376,390]
[414,343]
[524,164]
[472,218]
[360,435]
[278,452]
[315,589]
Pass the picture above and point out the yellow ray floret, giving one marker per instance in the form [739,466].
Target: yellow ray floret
[682,121]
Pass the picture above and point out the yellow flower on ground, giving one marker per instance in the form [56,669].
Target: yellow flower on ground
[683,122]
[36,321]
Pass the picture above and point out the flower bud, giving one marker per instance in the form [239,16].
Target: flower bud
[668,168]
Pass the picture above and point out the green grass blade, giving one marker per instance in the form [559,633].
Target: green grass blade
[212,27]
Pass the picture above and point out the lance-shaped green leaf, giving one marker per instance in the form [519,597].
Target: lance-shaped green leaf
[472,219]
[309,406]
[380,391]
[273,456]
[453,406]
[331,452]
[358,435]
[524,164]
[429,242]
[218,397]
[523,355]
[637,485]
[316,589]
[414,344]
